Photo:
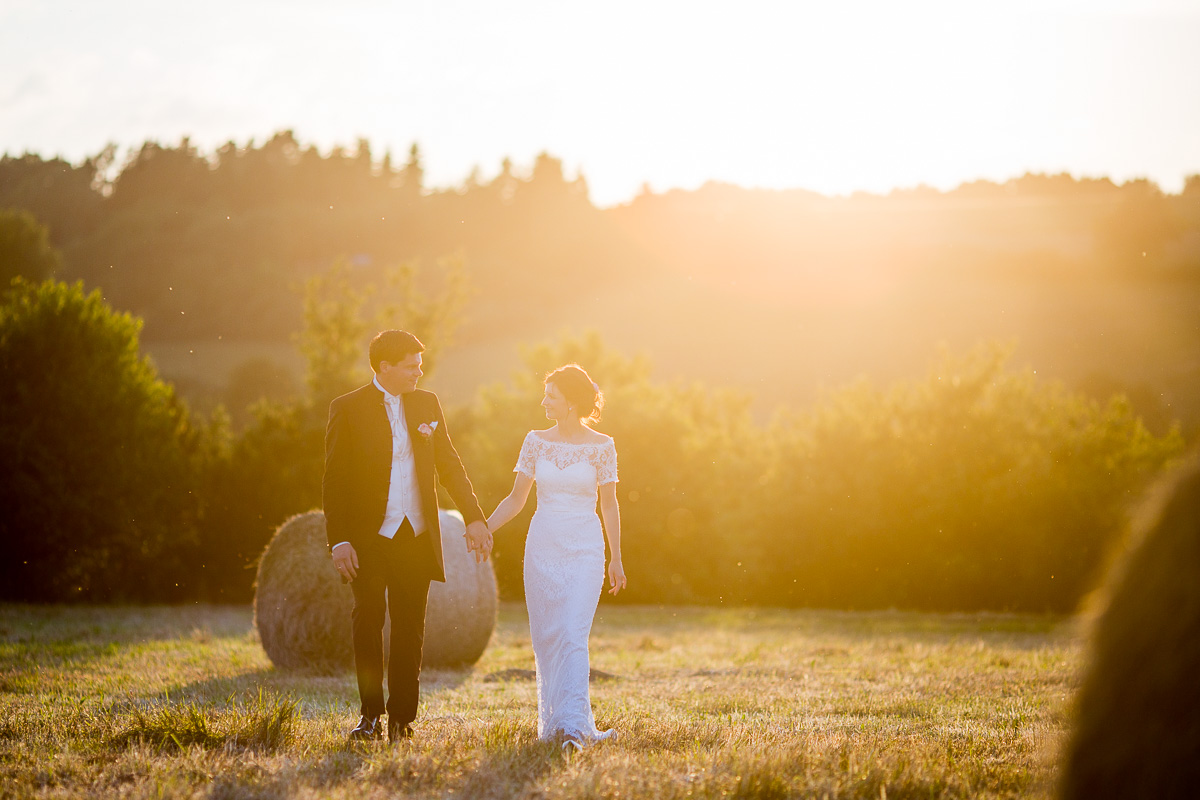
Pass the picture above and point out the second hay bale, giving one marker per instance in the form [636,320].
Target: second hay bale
[302,608]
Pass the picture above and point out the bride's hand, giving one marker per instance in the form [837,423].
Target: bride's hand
[616,576]
[479,541]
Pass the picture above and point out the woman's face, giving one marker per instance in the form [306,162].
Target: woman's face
[555,404]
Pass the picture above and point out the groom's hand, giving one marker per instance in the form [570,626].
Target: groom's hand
[479,540]
[345,561]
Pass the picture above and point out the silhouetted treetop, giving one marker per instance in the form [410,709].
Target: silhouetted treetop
[25,250]
[214,243]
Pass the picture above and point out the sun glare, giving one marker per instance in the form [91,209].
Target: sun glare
[830,97]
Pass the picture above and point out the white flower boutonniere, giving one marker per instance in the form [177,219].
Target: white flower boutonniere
[426,429]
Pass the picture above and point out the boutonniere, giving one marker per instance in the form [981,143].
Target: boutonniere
[426,429]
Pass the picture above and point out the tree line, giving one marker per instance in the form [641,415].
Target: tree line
[202,245]
[205,244]
[976,486]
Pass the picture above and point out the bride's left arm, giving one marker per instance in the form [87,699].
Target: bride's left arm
[610,513]
[511,505]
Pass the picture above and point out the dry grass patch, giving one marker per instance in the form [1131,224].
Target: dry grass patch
[182,702]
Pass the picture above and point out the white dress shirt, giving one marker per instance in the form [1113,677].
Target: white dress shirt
[404,495]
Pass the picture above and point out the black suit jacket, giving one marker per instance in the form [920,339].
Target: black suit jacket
[358,468]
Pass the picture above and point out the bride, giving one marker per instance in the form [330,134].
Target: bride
[564,552]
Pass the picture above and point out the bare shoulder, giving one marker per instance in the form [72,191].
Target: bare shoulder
[599,438]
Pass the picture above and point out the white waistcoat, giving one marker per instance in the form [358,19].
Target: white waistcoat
[404,494]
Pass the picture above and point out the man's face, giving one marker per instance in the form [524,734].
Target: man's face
[400,377]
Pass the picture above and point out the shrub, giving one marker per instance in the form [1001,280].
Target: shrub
[975,488]
[252,483]
[99,456]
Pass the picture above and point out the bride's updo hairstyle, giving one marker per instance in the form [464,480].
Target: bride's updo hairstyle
[580,390]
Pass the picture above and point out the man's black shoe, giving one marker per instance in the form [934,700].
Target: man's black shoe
[368,729]
[398,732]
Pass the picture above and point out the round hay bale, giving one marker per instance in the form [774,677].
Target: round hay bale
[1137,726]
[302,608]
[461,615]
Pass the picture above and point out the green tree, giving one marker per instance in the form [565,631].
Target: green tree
[25,249]
[254,380]
[1135,235]
[341,315]
[66,198]
[1191,186]
[175,176]
[334,334]
[99,456]
[413,174]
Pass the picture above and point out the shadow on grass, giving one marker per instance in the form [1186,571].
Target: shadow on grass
[435,681]
[37,639]
[310,686]
[121,625]
[1020,631]
[505,763]
[219,687]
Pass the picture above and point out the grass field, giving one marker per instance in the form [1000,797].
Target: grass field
[182,702]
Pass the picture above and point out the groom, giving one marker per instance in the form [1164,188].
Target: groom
[383,443]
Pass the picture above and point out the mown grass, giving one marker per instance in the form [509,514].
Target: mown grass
[264,722]
[182,702]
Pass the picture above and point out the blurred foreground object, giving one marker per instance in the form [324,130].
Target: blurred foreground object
[1137,728]
[302,608]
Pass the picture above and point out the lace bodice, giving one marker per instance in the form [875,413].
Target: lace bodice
[567,474]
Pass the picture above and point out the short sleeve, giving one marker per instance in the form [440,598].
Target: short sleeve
[606,464]
[527,461]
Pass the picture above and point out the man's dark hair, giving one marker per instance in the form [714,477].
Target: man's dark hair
[392,346]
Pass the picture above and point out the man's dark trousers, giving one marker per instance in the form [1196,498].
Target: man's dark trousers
[401,566]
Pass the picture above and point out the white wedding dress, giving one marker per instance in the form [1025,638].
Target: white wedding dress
[564,575]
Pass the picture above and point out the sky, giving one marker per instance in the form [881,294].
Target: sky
[834,97]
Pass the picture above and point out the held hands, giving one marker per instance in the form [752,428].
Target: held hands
[616,576]
[479,541]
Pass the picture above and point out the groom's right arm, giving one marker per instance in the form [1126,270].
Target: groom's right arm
[335,492]
[335,485]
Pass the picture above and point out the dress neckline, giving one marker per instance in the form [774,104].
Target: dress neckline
[573,444]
